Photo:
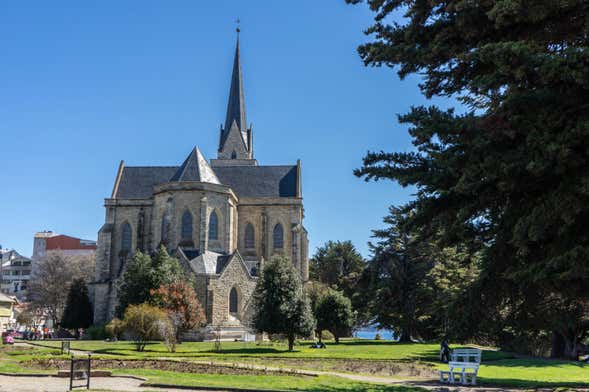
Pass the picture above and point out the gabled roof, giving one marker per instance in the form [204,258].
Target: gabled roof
[195,168]
[6,299]
[138,182]
[213,263]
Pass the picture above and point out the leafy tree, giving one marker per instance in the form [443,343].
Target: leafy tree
[281,304]
[510,175]
[334,313]
[179,300]
[143,323]
[78,309]
[145,273]
[337,264]
[314,291]
[51,279]
[26,317]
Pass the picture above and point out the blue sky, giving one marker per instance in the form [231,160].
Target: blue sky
[86,84]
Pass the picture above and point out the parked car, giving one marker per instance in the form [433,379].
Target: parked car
[7,338]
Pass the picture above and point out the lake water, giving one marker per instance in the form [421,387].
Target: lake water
[370,333]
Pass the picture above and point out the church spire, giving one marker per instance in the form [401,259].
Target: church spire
[232,147]
[236,104]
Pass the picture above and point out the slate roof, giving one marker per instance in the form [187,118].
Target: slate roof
[137,182]
[259,181]
[195,168]
[213,263]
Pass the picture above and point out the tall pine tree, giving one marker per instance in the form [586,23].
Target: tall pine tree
[281,304]
[145,273]
[511,175]
[78,309]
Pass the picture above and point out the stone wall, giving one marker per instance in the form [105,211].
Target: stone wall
[145,218]
[264,214]
[234,275]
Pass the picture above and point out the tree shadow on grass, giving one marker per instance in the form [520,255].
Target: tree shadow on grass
[369,343]
[537,363]
[130,351]
[250,350]
[362,388]
[528,384]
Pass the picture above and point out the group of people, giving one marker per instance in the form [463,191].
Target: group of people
[37,333]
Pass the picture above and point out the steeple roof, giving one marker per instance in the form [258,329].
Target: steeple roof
[236,103]
[195,168]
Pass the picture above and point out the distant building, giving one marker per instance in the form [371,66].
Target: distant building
[6,312]
[46,241]
[15,271]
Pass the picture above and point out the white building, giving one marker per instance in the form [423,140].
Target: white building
[15,271]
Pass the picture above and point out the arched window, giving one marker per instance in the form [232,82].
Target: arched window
[167,221]
[213,226]
[278,236]
[126,237]
[233,155]
[233,300]
[250,237]
[187,226]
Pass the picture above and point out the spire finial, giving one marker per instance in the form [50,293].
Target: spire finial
[238,29]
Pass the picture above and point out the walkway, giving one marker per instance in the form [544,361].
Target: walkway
[57,384]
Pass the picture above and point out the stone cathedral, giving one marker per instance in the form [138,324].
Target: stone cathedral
[221,219]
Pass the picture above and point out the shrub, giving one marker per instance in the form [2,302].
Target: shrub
[180,302]
[167,330]
[326,335]
[142,323]
[115,328]
[377,336]
[96,332]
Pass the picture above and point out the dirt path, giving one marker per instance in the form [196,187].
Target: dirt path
[56,384]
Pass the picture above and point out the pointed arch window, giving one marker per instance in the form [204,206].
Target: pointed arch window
[126,237]
[233,300]
[213,226]
[187,226]
[278,236]
[250,237]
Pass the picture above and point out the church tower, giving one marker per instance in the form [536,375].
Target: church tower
[235,139]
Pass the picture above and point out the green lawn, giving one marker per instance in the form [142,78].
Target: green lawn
[350,349]
[286,383]
[535,372]
[497,368]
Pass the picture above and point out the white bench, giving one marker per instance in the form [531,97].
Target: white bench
[466,355]
[465,364]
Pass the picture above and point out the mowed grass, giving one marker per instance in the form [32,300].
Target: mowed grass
[12,358]
[347,349]
[535,373]
[261,383]
[497,368]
